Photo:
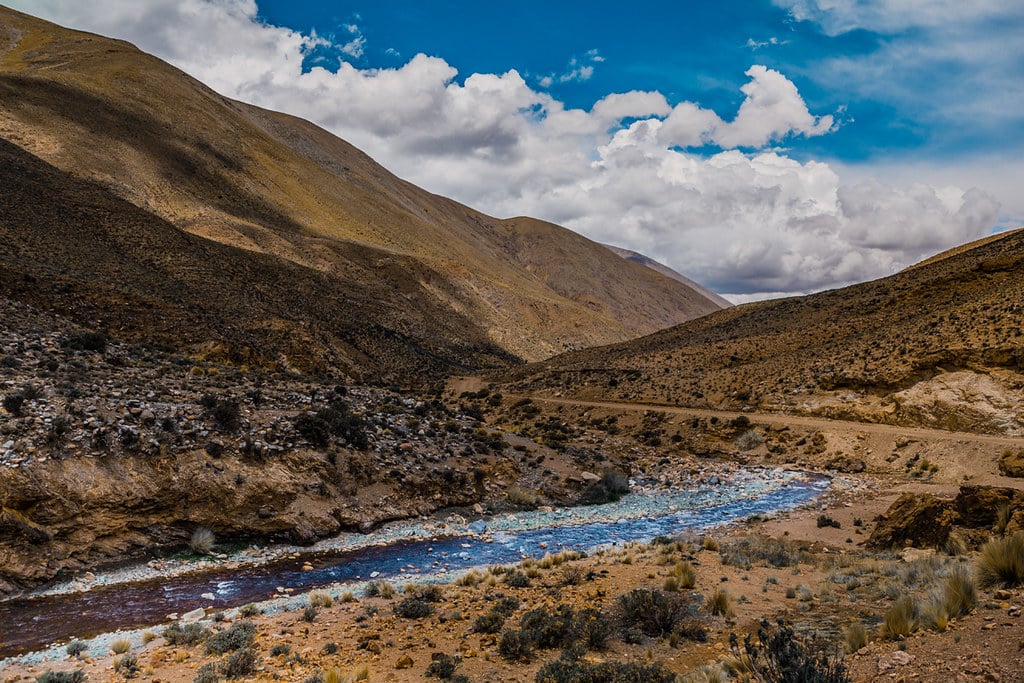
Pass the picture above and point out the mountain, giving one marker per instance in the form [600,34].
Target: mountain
[940,344]
[647,261]
[160,211]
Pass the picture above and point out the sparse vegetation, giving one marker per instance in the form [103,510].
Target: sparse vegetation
[779,655]
[1001,562]
[201,541]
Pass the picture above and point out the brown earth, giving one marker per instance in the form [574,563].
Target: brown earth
[939,345]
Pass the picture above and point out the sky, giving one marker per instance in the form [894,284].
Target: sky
[761,147]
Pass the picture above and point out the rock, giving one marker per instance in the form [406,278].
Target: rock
[208,596]
[1002,594]
[978,506]
[589,476]
[893,660]
[921,520]
[1012,464]
[194,615]
[404,662]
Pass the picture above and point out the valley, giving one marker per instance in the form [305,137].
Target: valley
[270,412]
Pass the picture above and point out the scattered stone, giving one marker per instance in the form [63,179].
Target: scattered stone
[893,660]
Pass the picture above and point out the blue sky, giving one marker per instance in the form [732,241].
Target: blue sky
[762,147]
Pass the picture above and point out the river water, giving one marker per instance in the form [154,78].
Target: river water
[29,624]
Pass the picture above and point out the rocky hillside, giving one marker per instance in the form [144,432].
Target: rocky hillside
[940,344]
[324,258]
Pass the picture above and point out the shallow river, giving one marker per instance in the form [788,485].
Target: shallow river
[32,623]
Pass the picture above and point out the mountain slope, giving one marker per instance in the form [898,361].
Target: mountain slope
[940,344]
[273,185]
[637,257]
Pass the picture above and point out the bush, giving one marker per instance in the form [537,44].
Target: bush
[720,604]
[685,575]
[85,341]
[515,646]
[591,629]
[655,613]
[959,593]
[207,673]
[225,413]
[309,614]
[443,667]
[13,404]
[856,637]
[61,677]
[380,589]
[548,630]
[202,540]
[320,599]
[120,646]
[776,552]
[572,670]
[76,648]
[414,608]
[901,619]
[1001,562]
[517,579]
[239,636]
[612,486]
[127,666]
[826,521]
[189,634]
[241,662]
[491,622]
[782,657]
[334,420]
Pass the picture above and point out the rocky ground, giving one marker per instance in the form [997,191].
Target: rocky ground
[112,452]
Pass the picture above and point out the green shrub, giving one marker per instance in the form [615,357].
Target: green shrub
[826,521]
[14,403]
[592,629]
[1001,562]
[517,579]
[239,636]
[548,629]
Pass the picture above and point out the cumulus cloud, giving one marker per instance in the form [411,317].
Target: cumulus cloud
[743,221]
[579,69]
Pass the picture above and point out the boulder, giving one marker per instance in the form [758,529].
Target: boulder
[1012,464]
[921,520]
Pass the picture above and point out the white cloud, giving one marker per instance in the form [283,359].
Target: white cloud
[579,69]
[890,16]
[743,223]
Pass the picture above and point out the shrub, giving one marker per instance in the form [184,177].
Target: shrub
[720,604]
[775,552]
[506,605]
[207,673]
[491,622]
[901,619]
[826,521]
[959,593]
[250,610]
[380,589]
[201,542]
[749,440]
[856,636]
[127,666]
[521,497]
[655,613]
[61,677]
[241,662]
[574,670]
[414,608]
[320,599]
[443,667]
[591,629]
[85,341]
[239,636]
[334,420]
[14,403]
[515,646]
[685,575]
[120,646]
[612,486]
[517,579]
[225,413]
[780,656]
[76,648]
[309,614]
[280,649]
[189,634]
[1001,562]
[548,629]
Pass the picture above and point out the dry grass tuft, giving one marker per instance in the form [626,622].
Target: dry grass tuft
[1001,562]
